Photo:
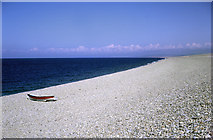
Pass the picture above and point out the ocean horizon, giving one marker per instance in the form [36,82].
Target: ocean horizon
[26,74]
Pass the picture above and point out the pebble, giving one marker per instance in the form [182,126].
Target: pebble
[172,109]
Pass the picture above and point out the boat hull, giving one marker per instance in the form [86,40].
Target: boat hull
[41,97]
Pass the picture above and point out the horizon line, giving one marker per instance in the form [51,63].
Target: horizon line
[106,1]
[73,57]
[163,56]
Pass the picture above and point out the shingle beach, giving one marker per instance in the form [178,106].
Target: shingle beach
[170,98]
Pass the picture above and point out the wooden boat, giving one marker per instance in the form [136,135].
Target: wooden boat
[41,97]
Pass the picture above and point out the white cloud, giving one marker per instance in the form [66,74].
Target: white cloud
[188,44]
[153,46]
[196,45]
[112,48]
[34,49]
[67,50]
[207,44]
[81,49]
[193,45]
[119,48]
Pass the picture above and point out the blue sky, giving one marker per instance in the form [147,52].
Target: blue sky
[54,29]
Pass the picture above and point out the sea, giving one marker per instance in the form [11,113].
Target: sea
[20,75]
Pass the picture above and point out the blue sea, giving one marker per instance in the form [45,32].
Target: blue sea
[19,75]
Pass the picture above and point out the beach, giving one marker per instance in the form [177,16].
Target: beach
[170,98]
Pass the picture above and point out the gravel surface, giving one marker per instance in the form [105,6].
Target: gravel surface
[167,99]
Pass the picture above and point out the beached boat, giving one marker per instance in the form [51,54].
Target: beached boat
[42,97]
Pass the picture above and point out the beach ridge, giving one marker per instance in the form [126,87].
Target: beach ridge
[167,98]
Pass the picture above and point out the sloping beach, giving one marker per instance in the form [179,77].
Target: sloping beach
[168,98]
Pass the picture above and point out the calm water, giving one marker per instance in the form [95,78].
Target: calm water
[19,75]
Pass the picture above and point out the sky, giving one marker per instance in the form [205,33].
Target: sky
[105,29]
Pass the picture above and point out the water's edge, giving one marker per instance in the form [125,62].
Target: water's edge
[49,81]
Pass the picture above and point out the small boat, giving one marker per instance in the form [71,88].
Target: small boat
[42,97]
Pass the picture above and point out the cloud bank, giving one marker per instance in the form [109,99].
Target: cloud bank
[113,50]
[131,48]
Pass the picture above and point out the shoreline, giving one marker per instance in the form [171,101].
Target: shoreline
[86,79]
[156,100]
[71,76]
